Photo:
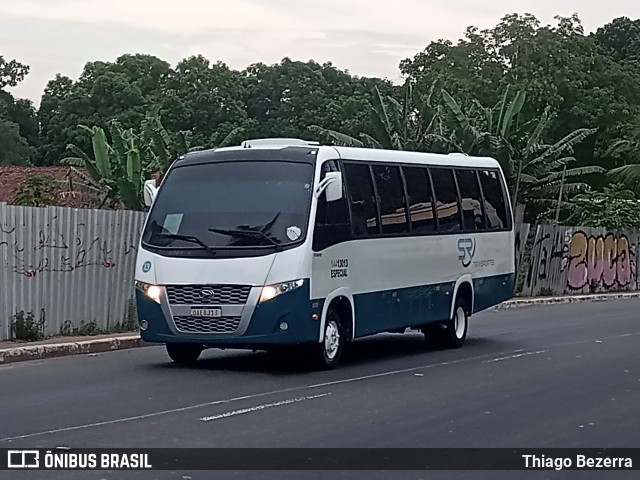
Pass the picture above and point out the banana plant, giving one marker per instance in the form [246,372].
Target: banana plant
[115,168]
[536,171]
[413,124]
[161,148]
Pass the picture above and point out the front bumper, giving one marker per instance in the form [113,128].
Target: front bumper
[260,324]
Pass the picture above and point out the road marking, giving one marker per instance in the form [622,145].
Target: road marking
[284,390]
[517,355]
[262,407]
[244,397]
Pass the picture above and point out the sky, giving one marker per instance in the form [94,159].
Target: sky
[365,37]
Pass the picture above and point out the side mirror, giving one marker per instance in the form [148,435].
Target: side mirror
[332,186]
[149,192]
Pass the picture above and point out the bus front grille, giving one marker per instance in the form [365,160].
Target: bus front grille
[208,294]
[187,324]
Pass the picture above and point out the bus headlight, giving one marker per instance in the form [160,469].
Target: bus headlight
[152,291]
[271,291]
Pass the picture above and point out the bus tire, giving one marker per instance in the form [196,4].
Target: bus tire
[329,352]
[184,353]
[455,332]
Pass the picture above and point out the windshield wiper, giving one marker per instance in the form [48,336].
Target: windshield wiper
[187,238]
[247,234]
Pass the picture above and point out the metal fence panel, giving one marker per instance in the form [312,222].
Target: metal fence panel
[73,266]
[581,260]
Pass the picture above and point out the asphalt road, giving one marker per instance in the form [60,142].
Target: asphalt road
[544,376]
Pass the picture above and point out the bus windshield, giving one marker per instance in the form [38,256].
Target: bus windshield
[231,205]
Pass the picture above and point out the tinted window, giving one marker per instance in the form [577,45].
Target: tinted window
[471,200]
[420,200]
[446,199]
[495,203]
[393,212]
[268,199]
[332,218]
[364,212]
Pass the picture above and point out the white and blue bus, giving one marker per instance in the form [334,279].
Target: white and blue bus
[283,242]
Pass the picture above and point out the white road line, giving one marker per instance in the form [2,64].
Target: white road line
[284,390]
[262,407]
[244,397]
[517,355]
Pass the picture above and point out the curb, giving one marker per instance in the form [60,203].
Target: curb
[602,297]
[54,350]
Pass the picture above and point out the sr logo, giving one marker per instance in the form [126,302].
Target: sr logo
[467,249]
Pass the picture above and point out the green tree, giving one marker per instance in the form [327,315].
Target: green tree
[205,100]
[537,169]
[12,72]
[14,149]
[558,66]
[123,91]
[284,99]
[53,121]
[615,208]
[620,39]
[18,124]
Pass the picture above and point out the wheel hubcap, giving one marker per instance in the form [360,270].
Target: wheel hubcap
[460,322]
[331,340]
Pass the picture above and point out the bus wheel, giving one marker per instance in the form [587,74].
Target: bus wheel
[329,351]
[184,353]
[455,332]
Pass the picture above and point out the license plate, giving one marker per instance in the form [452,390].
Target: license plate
[206,312]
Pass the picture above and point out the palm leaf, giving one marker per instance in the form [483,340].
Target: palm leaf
[462,119]
[380,120]
[572,172]
[503,106]
[515,107]
[525,179]
[566,143]
[82,157]
[627,174]
[369,141]
[337,137]
[228,139]
[534,138]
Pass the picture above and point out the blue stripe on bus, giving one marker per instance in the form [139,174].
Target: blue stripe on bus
[414,306]
[375,313]
[490,291]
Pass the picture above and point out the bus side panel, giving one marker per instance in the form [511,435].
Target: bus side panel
[491,291]
[397,309]
[408,281]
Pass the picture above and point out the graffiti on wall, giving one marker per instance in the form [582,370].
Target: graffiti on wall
[49,250]
[567,260]
[600,260]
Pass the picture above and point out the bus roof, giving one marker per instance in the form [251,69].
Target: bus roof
[324,152]
[401,156]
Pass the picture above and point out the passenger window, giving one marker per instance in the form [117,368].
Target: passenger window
[446,199]
[495,204]
[471,200]
[420,199]
[364,211]
[393,211]
[332,224]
